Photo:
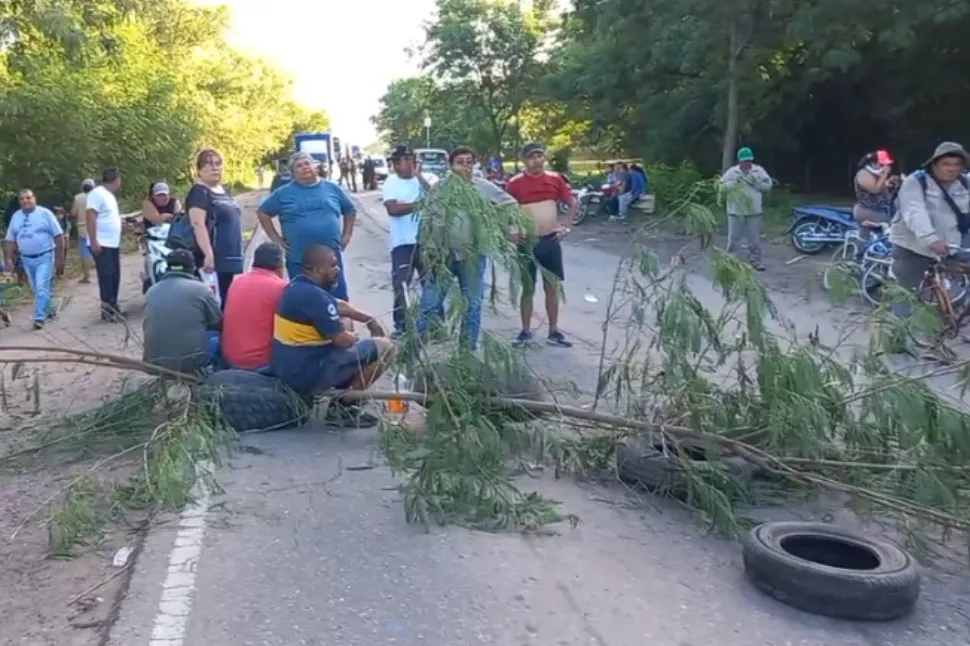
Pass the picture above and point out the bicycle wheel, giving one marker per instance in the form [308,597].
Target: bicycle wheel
[843,265]
[875,276]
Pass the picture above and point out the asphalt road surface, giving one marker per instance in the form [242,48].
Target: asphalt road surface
[308,544]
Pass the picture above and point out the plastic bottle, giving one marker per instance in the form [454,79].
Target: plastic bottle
[399,406]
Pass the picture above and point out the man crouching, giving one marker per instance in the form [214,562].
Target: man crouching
[313,351]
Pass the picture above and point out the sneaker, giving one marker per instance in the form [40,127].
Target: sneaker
[558,339]
[38,325]
[349,416]
[617,218]
[525,337]
[758,265]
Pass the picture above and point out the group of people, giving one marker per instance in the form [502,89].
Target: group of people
[36,239]
[628,183]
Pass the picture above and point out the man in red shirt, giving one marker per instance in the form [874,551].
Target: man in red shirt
[539,193]
[247,328]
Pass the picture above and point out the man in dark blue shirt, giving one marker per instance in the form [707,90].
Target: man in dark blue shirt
[313,350]
[634,187]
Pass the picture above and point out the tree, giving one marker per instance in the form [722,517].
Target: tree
[488,51]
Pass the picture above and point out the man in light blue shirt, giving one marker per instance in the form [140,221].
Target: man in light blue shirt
[35,236]
[312,211]
[402,191]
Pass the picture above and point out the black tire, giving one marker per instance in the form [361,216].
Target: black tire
[494,382]
[886,589]
[807,248]
[652,463]
[249,401]
[584,211]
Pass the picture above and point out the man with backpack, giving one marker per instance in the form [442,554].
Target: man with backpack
[933,213]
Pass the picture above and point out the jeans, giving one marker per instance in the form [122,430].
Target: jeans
[40,273]
[471,280]
[749,228]
[108,266]
[624,200]
[405,261]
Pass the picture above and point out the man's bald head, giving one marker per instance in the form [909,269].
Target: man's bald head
[319,264]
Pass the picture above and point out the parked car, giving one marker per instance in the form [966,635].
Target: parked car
[381,167]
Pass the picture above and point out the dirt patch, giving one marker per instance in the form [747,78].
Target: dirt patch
[46,600]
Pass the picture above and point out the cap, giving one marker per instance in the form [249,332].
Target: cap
[883,158]
[402,151]
[88,184]
[531,148]
[745,154]
[160,188]
[949,149]
[181,260]
[268,255]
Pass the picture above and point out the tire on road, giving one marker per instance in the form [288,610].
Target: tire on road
[514,383]
[652,463]
[249,401]
[831,571]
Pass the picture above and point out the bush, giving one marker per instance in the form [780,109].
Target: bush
[670,184]
[559,160]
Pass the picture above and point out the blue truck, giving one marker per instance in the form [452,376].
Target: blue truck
[318,144]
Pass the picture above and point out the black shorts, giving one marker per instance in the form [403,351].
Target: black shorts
[545,253]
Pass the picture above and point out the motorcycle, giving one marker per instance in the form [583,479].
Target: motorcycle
[592,201]
[817,226]
[155,250]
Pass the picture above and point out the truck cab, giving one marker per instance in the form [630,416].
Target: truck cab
[432,160]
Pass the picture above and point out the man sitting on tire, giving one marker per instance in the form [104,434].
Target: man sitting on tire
[182,318]
[312,349]
[247,334]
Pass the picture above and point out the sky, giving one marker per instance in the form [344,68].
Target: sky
[342,54]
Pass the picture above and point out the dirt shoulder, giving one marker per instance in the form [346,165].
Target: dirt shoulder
[67,602]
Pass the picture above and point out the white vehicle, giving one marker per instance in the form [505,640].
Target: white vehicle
[381,169]
[432,160]
[155,252]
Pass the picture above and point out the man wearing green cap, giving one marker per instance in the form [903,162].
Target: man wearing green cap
[743,186]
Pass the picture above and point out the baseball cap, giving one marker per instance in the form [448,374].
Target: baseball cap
[181,260]
[161,188]
[268,255]
[88,184]
[883,158]
[401,152]
[532,147]
[745,154]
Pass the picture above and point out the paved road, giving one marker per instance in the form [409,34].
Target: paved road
[308,544]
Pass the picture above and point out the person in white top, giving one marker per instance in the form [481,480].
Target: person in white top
[103,219]
[402,191]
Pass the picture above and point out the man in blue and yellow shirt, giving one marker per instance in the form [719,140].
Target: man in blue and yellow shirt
[312,349]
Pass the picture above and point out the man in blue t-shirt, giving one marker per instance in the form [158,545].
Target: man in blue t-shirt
[36,238]
[312,211]
[313,350]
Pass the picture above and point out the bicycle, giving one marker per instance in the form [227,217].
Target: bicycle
[869,259]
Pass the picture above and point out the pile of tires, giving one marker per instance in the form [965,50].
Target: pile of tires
[656,464]
[249,401]
[832,571]
[483,380]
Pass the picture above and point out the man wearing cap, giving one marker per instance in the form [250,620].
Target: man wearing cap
[36,238]
[79,209]
[311,211]
[744,184]
[182,318]
[103,223]
[539,193]
[933,213]
[247,331]
[401,191]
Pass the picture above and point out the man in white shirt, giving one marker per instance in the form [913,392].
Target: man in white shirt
[104,238]
[402,191]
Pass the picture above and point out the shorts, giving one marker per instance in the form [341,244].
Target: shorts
[546,253]
[342,365]
[337,290]
[85,249]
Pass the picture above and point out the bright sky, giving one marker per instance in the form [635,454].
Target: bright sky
[341,53]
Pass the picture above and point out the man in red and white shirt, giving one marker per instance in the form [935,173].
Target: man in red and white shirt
[539,193]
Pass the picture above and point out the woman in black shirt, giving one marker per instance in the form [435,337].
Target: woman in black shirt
[216,222]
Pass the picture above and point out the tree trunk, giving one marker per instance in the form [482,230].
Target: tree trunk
[731,124]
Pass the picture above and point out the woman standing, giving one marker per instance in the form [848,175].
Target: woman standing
[216,222]
[874,184]
[160,206]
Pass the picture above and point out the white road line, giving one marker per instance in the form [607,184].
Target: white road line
[178,589]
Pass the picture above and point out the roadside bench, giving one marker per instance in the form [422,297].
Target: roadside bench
[646,204]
